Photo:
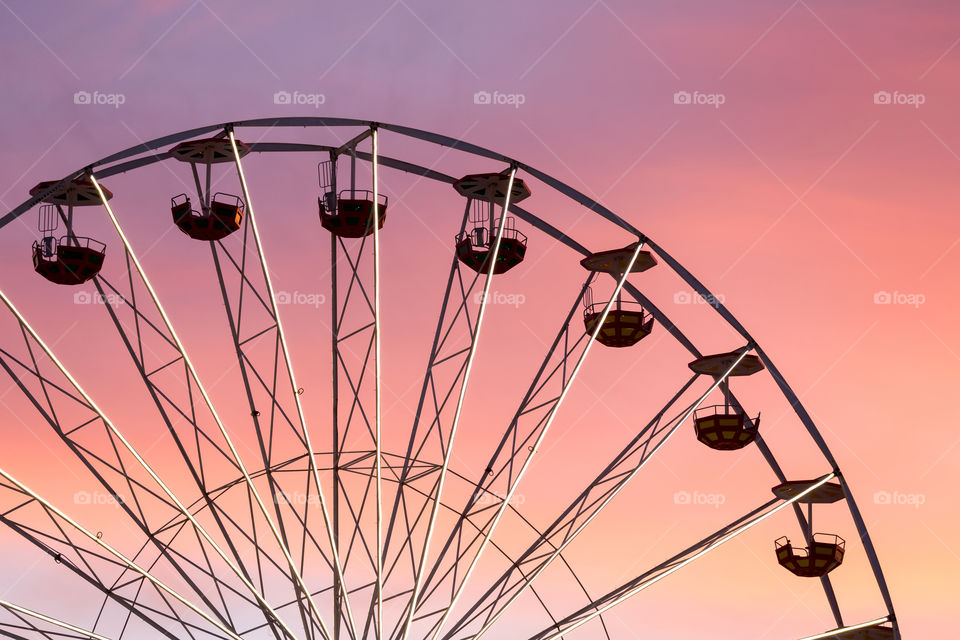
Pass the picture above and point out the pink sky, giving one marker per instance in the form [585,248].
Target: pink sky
[798,200]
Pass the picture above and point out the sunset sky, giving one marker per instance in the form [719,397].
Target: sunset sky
[799,158]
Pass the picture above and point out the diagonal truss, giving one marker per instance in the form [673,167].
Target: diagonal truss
[193,377]
[23,611]
[356,340]
[117,556]
[499,474]
[551,415]
[846,631]
[451,345]
[672,565]
[591,501]
[378,391]
[452,433]
[294,390]
[144,500]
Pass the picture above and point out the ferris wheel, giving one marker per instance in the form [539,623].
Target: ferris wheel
[296,509]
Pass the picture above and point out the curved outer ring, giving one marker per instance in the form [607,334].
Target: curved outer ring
[112,165]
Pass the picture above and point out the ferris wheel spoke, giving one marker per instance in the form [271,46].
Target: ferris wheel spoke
[847,631]
[208,570]
[114,555]
[479,530]
[598,495]
[187,411]
[136,491]
[194,378]
[805,419]
[455,359]
[506,499]
[162,392]
[575,517]
[677,562]
[295,390]
[47,543]
[379,370]
[240,532]
[84,633]
[352,468]
[45,406]
[663,320]
[761,445]
[29,617]
[30,626]
[491,264]
[9,631]
[512,445]
[357,391]
[117,442]
[355,512]
[355,283]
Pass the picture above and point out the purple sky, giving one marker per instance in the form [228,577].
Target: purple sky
[789,186]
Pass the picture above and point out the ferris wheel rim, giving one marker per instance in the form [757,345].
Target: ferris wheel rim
[109,162]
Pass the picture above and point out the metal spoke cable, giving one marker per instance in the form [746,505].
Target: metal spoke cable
[672,427]
[546,428]
[294,388]
[143,463]
[625,592]
[491,257]
[50,619]
[119,556]
[196,379]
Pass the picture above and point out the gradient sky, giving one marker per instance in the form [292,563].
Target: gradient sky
[803,200]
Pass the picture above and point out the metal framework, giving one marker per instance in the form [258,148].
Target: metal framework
[394,551]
